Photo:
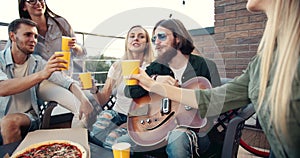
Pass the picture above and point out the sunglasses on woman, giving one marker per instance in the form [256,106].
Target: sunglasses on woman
[33,2]
[162,36]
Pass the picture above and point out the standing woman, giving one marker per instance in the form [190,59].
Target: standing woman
[271,81]
[110,124]
[51,28]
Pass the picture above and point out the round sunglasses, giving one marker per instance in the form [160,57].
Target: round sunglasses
[162,36]
[34,2]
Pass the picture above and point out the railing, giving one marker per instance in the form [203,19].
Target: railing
[84,61]
[100,83]
[4,24]
[93,34]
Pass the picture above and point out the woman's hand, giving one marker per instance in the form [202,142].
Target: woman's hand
[167,79]
[72,43]
[86,108]
[77,48]
[93,84]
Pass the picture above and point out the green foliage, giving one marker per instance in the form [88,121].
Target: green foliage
[100,66]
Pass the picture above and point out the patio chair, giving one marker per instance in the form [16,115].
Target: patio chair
[47,108]
[45,115]
[227,131]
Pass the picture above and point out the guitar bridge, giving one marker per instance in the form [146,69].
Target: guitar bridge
[166,106]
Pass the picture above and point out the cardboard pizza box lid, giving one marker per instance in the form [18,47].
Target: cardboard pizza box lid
[77,135]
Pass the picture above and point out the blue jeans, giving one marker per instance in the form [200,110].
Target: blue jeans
[106,129]
[181,144]
[272,155]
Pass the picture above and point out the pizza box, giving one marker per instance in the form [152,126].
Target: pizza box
[77,135]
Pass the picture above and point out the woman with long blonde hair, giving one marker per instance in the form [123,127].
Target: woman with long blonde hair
[110,124]
[271,81]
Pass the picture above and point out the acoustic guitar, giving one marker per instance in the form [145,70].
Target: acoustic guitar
[151,117]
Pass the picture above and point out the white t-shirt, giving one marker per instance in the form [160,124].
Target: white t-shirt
[123,103]
[20,102]
[178,73]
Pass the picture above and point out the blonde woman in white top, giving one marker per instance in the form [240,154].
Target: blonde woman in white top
[110,124]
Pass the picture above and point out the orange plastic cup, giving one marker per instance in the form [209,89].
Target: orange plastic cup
[121,150]
[86,80]
[67,57]
[65,43]
[130,67]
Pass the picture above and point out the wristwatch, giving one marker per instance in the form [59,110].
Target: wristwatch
[154,77]
[94,90]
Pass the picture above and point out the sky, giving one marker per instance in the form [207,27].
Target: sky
[115,17]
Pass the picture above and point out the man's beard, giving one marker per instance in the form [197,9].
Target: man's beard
[167,56]
[22,49]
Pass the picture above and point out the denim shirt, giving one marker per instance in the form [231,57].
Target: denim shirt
[245,89]
[51,43]
[36,63]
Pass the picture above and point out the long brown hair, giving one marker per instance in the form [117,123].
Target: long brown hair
[48,14]
[186,45]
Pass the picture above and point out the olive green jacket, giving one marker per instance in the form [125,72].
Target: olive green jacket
[244,90]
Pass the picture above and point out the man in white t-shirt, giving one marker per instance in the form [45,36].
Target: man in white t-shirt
[174,65]
[21,72]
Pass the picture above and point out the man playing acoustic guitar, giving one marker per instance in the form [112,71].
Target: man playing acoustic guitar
[175,65]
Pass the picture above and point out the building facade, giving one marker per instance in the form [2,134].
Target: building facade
[234,39]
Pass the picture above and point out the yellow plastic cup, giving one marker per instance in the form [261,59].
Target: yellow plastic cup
[121,150]
[67,57]
[86,80]
[130,67]
[65,43]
